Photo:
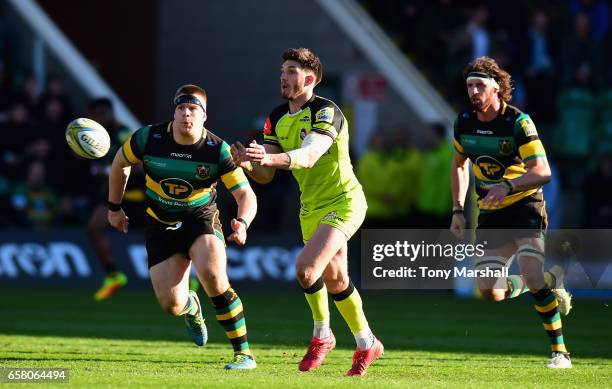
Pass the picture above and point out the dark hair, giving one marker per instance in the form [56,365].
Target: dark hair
[307,59]
[489,66]
[101,102]
[190,89]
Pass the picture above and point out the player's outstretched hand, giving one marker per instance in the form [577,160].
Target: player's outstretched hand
[495,196]
[240,234]
[257,153]
[239,156]
[458,225]
[118,220]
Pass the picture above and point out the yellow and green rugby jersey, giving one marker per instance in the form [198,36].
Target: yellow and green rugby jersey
[332,176]
[181,179]
[493,148]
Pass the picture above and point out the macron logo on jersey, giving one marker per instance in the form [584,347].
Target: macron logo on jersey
[181,155]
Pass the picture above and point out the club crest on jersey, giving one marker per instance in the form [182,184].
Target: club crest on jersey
[490,167]
[202,172]
[505,147]
[176,188]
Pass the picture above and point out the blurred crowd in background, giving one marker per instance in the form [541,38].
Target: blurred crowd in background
[560,58]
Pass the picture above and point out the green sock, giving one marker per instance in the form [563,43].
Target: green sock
[546,305]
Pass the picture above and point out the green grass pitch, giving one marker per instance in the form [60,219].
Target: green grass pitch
[431,341]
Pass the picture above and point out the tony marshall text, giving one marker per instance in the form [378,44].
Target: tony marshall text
[425,272]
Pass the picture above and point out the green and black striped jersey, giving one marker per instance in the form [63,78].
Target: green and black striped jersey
[498,149]
[181,178]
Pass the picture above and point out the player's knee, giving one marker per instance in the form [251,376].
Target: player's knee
[214,281]
[493,294]
[306,276]
[336,283]
[172,307]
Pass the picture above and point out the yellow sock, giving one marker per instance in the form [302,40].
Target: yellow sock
[316,296]
[350,306]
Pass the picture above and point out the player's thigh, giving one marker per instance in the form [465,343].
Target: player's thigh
[170,280]
[210,260]
[494,258]
[335,274]
[319,251]
[530,256]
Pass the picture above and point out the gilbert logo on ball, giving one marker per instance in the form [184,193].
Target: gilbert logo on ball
[87,138]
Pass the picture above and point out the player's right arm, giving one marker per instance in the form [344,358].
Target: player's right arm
[460,182]
[129,154]
[260,174]
[119,175]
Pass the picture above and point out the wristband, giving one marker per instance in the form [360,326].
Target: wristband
[241,220]
[509,184]
[458,211]
[113,206]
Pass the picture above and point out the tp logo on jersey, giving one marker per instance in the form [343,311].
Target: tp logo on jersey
[176,188]
[491,168]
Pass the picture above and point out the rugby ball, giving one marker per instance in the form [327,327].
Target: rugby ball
[87,138]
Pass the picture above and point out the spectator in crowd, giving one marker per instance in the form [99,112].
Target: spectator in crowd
[581,56]
[55,91]
[372,174]
[598,13]
[5,93]
[434,194]
[541,73]
[13,141]
[402,176]
[471,41]
[598,194]
[35,203]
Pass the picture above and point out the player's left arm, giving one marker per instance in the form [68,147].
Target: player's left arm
[236,182]
[538,174]
[327,123]
[532,155]
[313,147]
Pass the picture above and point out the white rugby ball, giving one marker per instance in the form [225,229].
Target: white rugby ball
[87,138]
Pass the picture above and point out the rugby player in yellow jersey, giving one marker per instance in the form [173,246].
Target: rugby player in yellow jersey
[510,168]
[309,136]
[183,161]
